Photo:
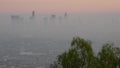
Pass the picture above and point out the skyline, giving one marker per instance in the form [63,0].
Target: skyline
[72,6]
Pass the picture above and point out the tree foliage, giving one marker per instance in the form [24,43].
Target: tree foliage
[81,55]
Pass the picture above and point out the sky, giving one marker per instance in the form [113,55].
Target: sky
[46,6]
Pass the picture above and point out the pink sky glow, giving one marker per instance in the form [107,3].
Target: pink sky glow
[60,5]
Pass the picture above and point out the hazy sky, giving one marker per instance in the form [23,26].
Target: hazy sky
[60,5]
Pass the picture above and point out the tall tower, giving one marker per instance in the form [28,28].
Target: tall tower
[65,15]
[33,13]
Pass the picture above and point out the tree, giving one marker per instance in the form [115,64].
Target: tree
[109,56]
[85,51]
[81,55]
